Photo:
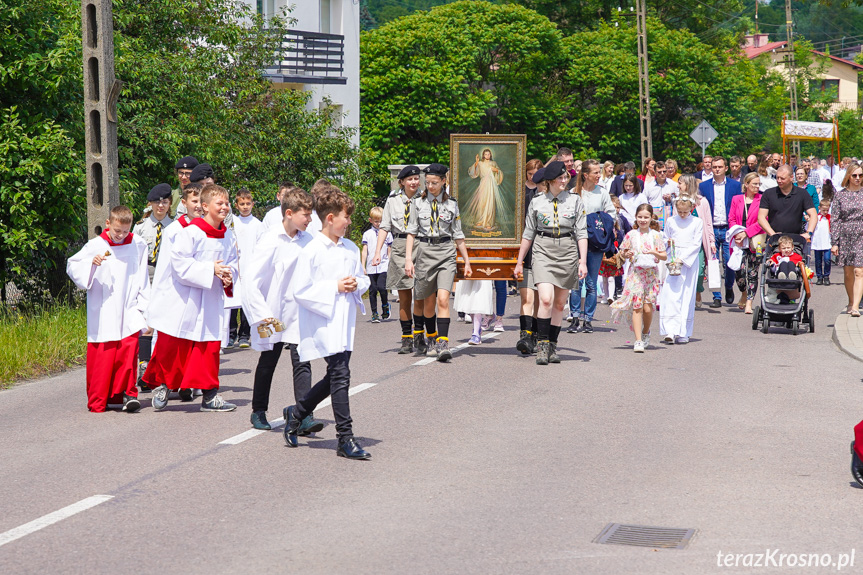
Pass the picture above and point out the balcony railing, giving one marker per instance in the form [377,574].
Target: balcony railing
[309,58]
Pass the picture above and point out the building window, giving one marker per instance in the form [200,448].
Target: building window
[331,16]
[828,88]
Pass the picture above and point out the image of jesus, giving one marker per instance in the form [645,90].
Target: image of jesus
[482,209]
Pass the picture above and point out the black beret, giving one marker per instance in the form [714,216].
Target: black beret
[408,171]
[159,192]
[436,170]
[187,163]
[538,176]
[554,170]
[202,171]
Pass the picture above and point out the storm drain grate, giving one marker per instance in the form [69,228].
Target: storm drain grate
[645,536]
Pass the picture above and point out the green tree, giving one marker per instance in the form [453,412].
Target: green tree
[194,84]
[466,67]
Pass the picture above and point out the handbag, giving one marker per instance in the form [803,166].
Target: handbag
[714,278]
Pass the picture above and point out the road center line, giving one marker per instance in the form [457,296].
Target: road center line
[52,518]
[246,435]
[456,349]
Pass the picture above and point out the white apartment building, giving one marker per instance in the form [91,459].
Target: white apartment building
[321,55]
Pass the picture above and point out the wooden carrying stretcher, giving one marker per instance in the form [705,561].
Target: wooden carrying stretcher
[489,263]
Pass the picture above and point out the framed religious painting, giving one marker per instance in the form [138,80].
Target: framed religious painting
[488,184]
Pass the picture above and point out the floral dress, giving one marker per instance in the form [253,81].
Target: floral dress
[847,226]
[642,284]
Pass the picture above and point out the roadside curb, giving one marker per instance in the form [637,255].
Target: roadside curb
[847,335]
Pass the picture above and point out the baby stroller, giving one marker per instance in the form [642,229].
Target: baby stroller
[779,312]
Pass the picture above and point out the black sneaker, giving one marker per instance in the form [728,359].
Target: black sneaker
[130,404]
[407,345]
[385,311]
[375,317]
[573,325]
[819,282]
[827,280]
[587,328]
[186,394]
[717,303]
[729,295]
[420,345]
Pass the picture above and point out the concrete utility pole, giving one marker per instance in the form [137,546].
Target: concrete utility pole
[100,113]
[643,82]
[792,77]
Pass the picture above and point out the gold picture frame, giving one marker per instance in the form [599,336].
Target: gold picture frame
[488,184]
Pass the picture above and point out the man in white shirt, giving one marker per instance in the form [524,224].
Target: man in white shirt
[661,187]
[706,172]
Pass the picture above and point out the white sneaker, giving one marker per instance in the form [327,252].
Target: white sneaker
[681,340]
[468,319]
[568,317]
[498,324]
[645,337]
[668,339]
[638,347]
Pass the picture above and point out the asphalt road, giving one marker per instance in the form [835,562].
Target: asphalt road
[489,464]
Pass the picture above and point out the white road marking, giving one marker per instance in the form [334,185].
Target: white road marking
[454,350]
[52,518]
[246,435]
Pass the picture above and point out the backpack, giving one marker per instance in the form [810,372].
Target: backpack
[600,232]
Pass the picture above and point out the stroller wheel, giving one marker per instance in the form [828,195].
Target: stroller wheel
[756,315]
[811,321]
[765,326]
[795,326]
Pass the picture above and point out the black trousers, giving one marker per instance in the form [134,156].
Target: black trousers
[334,384]
[379,286]
[267,363]
[239,329]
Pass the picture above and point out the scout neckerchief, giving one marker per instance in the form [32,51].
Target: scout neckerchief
[556,221]
[407,209]
[434,217]
[158,243]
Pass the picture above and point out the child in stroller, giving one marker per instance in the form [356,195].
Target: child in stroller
[784,265]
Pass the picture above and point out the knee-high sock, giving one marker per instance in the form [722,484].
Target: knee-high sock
[145,346]
[543,328]
[443,328]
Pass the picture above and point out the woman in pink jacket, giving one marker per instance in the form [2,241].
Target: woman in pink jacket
[744,212]
[687,184]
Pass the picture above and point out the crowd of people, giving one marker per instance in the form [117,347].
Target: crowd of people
[197,275]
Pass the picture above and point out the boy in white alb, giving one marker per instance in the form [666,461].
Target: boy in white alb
[267,296]
[151,229]
[247,229]
[328,285]
[821,244]
[187,309]
[377,273]
[112,267]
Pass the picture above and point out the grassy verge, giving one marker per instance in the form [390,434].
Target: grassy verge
[39,343]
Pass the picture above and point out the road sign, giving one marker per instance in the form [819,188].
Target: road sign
[703,134]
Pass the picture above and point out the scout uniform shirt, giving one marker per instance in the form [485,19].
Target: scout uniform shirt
[152,231]
[548,217]
[397,213]
[433,218]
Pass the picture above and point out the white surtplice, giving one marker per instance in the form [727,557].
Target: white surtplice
[268,286]
[187,297]
[677,298]
[328,317]
[117,291]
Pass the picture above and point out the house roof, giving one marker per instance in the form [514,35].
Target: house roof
[752,52]
[843,60]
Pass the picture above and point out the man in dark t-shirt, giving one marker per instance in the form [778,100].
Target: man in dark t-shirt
[781,209]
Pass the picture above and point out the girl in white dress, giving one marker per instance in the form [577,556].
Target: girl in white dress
[677,298]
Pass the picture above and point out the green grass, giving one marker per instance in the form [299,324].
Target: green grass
[39,343]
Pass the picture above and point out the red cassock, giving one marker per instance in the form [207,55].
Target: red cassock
[183,363]
[111,372]
[858,440]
